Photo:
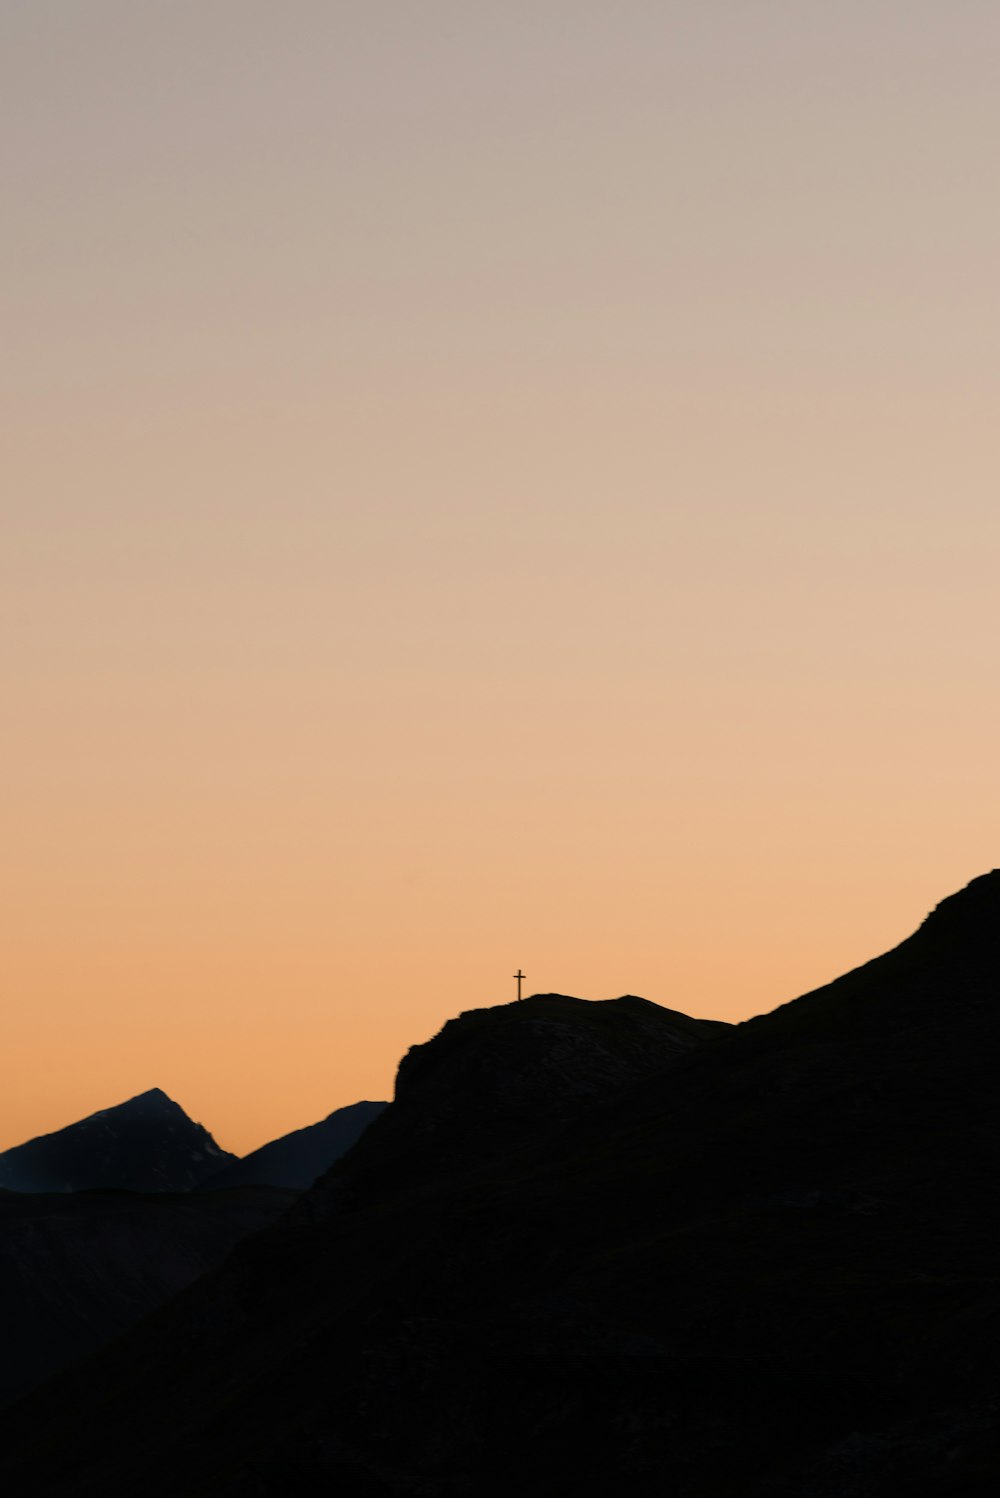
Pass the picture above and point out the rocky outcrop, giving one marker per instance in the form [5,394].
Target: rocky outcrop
[495,1079]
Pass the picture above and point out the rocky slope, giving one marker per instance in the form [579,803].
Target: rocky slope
[766,1264]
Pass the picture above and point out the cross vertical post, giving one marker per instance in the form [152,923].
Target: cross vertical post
[520,977]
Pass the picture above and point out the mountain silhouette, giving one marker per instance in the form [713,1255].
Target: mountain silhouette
[295,1160]
[575,1257]
[145,1144]
[78,1267]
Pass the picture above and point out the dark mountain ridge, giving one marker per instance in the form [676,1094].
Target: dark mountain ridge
[145,1144]
[296,1159]
[765,1264]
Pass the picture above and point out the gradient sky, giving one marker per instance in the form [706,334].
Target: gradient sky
[485,484]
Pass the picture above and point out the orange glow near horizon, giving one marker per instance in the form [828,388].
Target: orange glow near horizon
[490,490]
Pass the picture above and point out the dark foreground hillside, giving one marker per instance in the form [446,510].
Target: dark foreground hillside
[596,1248]
[78,1268]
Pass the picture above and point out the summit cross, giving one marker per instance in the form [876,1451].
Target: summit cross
[520,977]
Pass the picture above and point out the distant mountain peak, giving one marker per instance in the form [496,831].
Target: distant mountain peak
[153,1103]
[146,1143]
[296,1160]
[153,1096]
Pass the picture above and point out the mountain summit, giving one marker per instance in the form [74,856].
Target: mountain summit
[147,1143]
[494,1079]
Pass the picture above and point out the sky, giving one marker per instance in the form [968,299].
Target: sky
[485,487]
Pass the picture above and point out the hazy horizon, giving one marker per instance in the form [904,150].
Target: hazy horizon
[489,487]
